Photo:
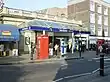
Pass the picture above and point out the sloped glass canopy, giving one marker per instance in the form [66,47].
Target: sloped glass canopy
[50,24]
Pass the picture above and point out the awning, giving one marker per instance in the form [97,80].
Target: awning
[9,33]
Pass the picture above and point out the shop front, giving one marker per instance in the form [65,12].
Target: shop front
[54,36]
[9,38]
[58,34]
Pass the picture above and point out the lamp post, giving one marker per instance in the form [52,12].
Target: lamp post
[102,58]
[52,38]
[80,42]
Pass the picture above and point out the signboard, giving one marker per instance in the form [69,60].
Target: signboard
[6,33]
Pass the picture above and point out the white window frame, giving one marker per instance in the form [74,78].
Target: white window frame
[92,29]
[100,31]
[99,8]
[99,19]
[92,6]
[106,30]
[92,17]
[105,20]
[105,10]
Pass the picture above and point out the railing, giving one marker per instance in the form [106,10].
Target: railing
[35,15]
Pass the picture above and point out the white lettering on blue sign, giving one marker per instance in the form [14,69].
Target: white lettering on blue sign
[63,30]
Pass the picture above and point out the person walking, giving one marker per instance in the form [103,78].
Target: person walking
[56,49]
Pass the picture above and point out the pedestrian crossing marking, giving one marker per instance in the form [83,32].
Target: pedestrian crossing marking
[99,58]
[107,59]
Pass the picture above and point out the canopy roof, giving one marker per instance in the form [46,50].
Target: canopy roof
[51,24]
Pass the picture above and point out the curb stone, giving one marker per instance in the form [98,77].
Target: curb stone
[37,62]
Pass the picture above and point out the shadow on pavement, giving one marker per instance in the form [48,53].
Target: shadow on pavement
[75,67]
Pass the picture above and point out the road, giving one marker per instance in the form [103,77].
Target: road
[47,72]
[28,73]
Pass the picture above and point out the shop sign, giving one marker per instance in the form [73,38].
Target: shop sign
[63,30]
[6,33]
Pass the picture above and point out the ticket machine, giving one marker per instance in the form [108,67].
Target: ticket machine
[42,46]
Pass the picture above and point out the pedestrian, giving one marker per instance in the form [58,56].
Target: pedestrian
[56,49]
[100,48]
[32,50]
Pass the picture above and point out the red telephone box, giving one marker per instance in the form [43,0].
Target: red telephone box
[42,47]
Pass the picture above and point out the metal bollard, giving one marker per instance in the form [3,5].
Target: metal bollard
[101,64]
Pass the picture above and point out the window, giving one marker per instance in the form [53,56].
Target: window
[92,17]
[92,6]
[92,29]
[99,8]
[99,19]
[106,30]
[99,30]
[105,11]
[106,21]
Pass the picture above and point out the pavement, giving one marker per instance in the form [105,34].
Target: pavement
[25,58]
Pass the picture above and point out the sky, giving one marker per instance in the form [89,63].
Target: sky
[34,5]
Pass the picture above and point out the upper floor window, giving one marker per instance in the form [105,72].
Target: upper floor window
[92,17]
[105,11]
[99,19]
[99,8]
[106,30]
[106,20]
[92,29]
[92,6]
[99,30]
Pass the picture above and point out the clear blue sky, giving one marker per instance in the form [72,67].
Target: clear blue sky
[36,4]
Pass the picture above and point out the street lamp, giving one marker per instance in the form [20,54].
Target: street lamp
[52,38]
[102,58]
[80,42]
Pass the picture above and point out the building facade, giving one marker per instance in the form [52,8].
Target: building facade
[21,18]
[55,11]
[95,15]
[17,17]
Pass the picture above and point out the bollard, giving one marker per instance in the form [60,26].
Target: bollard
[102,65]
